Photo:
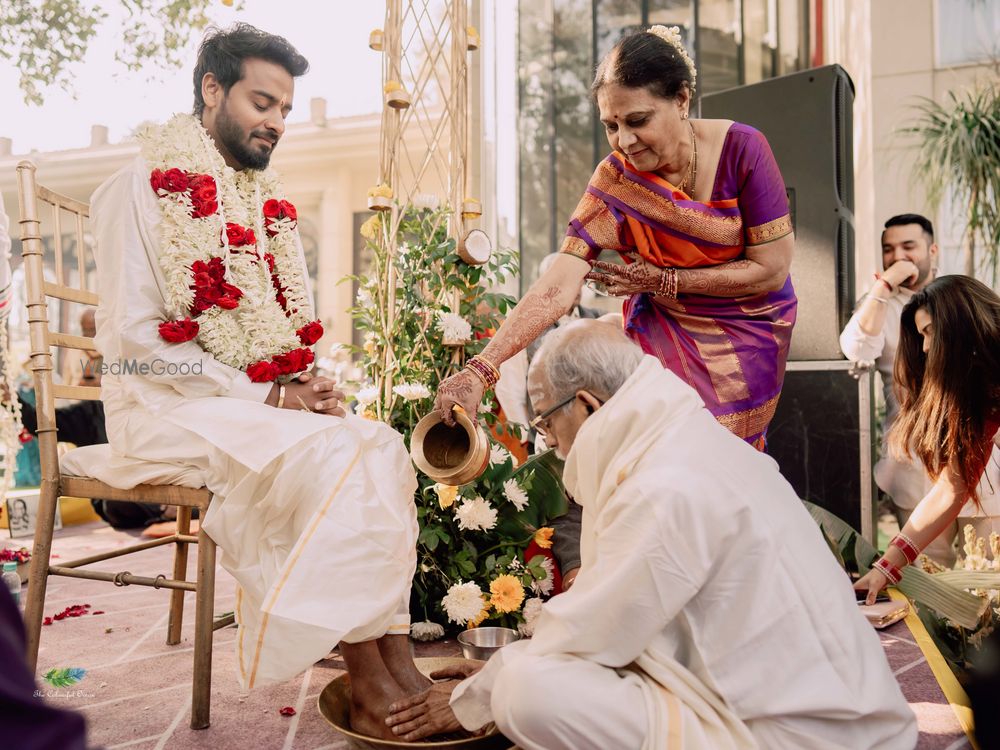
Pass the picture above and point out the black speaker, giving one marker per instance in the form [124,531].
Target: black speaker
[807,119]
[814,437]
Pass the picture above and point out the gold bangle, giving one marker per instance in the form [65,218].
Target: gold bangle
[281,396]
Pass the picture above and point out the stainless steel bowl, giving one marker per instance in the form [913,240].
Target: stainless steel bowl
[482,643]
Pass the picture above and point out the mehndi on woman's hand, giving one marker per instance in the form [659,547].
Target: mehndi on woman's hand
[622,281]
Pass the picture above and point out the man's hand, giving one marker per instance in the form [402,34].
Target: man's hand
[317,394]
[569,579]
[463,389]
[901,273]
[424,714]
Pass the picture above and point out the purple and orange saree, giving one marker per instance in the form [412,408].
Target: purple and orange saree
[731,350]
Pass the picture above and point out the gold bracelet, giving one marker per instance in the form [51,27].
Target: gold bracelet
[281,396]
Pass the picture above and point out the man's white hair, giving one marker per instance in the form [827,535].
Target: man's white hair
[586,355]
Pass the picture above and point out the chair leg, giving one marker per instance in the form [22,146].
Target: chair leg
[201,688]
[38,570]
[176,618]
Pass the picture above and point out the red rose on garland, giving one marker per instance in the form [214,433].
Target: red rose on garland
[210,287]
[235,234]
[294,361]
[178,331]
[275,210]
[204,195]
[262,372]
[172,180]
[310,333]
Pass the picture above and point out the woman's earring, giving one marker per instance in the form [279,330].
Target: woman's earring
[684,116]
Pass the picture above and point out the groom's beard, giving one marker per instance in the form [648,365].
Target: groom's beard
[239,144]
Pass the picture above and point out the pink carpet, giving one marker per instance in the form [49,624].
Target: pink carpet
[136,692]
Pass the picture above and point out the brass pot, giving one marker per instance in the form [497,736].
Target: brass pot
[450,455]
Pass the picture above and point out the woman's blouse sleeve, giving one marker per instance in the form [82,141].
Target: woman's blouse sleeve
[761,193]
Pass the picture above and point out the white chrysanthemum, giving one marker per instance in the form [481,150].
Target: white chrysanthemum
[426,631]
[498,454]
[426,200]
[544,586]
[454,328]
[463,602]
[531,610]
[366,397]
[364,298]
[476,515]
[515,494]
[411,391]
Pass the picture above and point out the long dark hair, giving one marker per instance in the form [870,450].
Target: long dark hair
[947,395]
[644,60]
[222,52]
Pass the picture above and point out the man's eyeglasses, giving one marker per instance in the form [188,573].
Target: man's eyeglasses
[540,423]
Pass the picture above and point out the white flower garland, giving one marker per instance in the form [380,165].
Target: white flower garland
[672,36]
[258,328]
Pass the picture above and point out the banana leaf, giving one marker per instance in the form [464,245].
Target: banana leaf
[945,596]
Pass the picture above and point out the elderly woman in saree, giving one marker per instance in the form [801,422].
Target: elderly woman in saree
[698,212]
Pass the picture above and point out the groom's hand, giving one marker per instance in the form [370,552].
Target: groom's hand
[424,714]
[318,394]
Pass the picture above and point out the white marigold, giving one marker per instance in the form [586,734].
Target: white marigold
[543,586]
[366,397]
[498,454]
[476,515]
[454,328]
[532,609]
[463,602]
[411,391]
[515,494]
[426,631]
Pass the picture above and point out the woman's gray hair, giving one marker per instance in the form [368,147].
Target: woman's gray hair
[586,355]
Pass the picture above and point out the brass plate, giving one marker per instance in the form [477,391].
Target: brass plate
[334,704]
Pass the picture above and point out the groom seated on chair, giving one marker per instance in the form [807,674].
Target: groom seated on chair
[708,610]
[206,324]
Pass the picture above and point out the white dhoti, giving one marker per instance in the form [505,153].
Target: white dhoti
[321,538]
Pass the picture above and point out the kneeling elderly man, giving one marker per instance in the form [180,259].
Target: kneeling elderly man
[708,612]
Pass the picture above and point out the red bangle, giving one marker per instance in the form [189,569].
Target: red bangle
[890,287]
[887,569]
[905,545]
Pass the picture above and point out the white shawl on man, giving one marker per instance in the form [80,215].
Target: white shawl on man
[702,569]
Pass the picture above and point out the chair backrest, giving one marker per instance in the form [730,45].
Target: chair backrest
[33,198]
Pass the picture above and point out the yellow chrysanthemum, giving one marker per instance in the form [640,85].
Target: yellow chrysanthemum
[472,32]
[478,619]
[507,593]
[380,191]
[391,86]
[446,494]
[543,537]
[369,229]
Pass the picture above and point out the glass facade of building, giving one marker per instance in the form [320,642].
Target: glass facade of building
[560,42]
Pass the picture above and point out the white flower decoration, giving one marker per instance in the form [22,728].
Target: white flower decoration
[498,454]
[531,610]
[672,36]
[515,494]
[426,631]
[366,397]
[543,587]
[476,515]
[411,391]
[426,200]
[454,328]
[463,602]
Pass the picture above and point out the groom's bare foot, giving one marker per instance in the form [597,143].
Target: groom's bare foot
[368,716]
[397,655]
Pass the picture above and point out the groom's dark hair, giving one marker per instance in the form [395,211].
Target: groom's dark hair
[223,51]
